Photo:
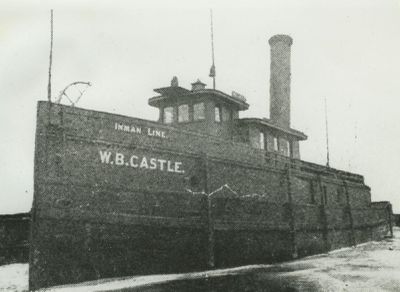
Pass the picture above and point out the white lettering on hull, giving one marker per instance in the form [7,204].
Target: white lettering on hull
[141,162]
[138,130]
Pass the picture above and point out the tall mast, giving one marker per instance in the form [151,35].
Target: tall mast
[327,134]
[212,69]
[51,56]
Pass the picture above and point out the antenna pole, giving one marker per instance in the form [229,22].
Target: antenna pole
[327,134]
[212,70]
[51,56]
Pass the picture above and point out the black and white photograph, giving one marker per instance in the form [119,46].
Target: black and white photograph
[200,146]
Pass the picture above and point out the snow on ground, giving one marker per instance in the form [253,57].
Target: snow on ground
[14,277]
[374,266]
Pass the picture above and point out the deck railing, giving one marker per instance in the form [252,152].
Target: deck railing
[277,160]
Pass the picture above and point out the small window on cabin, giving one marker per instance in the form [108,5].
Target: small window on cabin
[183,113]
[312,193]
[339,193]
[168,115]
[275,143]
[218,113]
[286,149]
[226,114]
[262,140]
[325,195]
[199,111]
[234,115]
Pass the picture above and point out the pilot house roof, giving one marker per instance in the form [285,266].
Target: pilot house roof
[177,91]
[268,124]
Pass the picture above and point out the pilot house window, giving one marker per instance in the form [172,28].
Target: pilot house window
[168,115]
[275,139]
[183,113]
[286,147]
[218,113]
[262,140]
[198,112]
[226,114]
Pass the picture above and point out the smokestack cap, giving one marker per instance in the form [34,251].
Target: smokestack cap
[281,38]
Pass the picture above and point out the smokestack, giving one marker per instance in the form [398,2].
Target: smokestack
[280,80]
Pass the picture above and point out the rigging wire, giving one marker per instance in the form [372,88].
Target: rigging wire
[212,69]
[327,134]
[51,56]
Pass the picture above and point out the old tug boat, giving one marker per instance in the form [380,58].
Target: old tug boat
[197,189]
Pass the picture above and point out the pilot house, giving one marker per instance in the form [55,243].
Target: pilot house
[216,113]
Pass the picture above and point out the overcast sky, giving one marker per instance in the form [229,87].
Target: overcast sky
[345,51]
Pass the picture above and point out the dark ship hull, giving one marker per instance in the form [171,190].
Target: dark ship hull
[116,196]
